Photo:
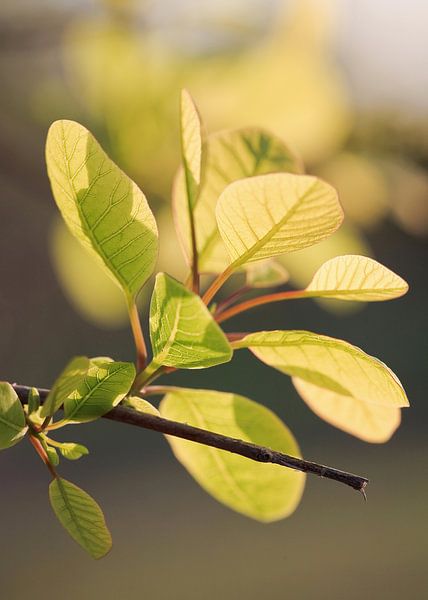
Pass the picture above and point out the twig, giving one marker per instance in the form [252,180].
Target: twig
[215,440]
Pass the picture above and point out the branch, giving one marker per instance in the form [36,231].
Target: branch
[215,440]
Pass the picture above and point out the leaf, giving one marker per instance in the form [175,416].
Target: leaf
[353,277]
[191,144]
[68,381]
[81,516]
[12,417]
[369,422]
[52,455]
[230,155]
[33,400]
[141,405]
[103,208]
[72,451]
[266,274]
[328,363]
[103,387]
[265,492]
[182,330]
[265,216]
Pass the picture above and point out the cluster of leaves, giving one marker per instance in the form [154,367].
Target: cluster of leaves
[240,199]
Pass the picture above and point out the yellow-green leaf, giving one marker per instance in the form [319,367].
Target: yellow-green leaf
[81,516]
[353,277]
[268,215]
[328,363]
[265,492]
[12,417]
[103,208]
[265,274]
[182,330]
[229,155]
[72,451]
[103,387]
[141,405]
[369,422]
[69,380]
[191,144]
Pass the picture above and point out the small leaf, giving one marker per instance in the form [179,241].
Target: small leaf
[266,274]
[230,155]
[103,208]
[182,330]
[52,455]
[103,387]
[265,216]
[81,516]
[33,400]
[328,363]
[353,277]
[12,417]
[141,405]
[72,451]
[265,492]
[369,422]
[70,379]
[191,144]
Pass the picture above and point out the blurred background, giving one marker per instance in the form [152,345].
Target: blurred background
[342,82]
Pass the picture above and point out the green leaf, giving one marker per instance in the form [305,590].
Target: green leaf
[12,417]
[265,216]
[328,363]
[230,155]
[69,380]
[103,387]
[81,516]
[103,208]
[265,492]
[191,144]
[141,405]
[182,330]
[52,455]
[369,422]
[353,277]
[72,451]
[33,400]
[266,274]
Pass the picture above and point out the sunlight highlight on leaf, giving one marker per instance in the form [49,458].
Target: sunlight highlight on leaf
[357,278]
[369,422]
[12,418]
[230,155]
[273,214]
[182,330]
[329,363]
[103,208]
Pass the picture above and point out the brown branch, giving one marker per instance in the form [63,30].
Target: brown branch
[215,440]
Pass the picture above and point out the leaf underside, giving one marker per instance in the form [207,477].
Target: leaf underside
[265,492]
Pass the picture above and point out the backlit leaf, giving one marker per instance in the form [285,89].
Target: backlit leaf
[265,274]
[103,208]
[356,278]
[273,214]
[69,380]
[230,155]
[103,387]
[328,363]
[12,417]
[72,451]
[265,492]
[182,330]
[141,405]
[81,516]
[369,422]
